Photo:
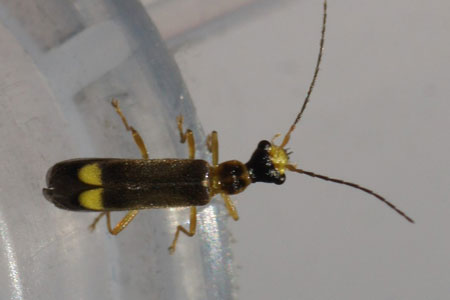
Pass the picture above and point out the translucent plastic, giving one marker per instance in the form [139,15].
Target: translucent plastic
[62,63]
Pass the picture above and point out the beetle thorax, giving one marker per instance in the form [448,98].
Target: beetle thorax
[230,177]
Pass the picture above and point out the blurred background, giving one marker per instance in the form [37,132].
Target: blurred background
[378,117]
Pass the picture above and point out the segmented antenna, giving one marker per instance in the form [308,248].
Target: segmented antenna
[353,185]
[313,82]
[293,168]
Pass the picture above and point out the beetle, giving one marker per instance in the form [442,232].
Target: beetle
[108,184]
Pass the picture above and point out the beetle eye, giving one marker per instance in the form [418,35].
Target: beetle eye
[281,179]
[264,145]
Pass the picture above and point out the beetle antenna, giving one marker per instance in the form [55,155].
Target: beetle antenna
[353,185]
[313,82]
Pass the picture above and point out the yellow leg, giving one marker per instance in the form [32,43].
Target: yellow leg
[232,211]
[122,224]
[119,226]
[186,135]
[189,137]
[137,138]
[92,226]
[212,143]
[141,145]
[191,232]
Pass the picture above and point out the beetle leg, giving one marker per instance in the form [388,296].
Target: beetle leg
[141,145]
[232,211]
[186,135]
[189,136]
[92,226]
[191,232]
[119,226]
[212,143]
[122,223]
[136,136]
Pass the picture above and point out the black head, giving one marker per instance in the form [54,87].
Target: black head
[267,163]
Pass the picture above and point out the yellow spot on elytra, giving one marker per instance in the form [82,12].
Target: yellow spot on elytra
[91,174]
[92,199]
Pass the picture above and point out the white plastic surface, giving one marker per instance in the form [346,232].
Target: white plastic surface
[61,62]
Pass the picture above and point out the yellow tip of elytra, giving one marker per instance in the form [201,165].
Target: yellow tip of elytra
[92,199]
[91,174]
